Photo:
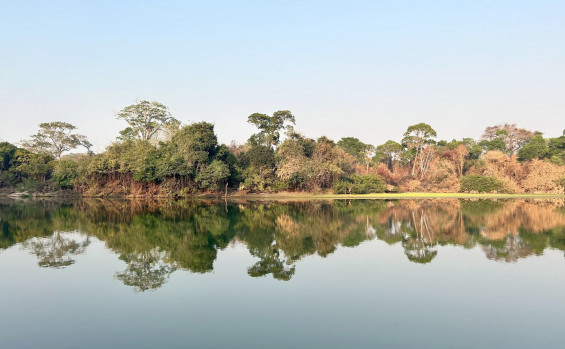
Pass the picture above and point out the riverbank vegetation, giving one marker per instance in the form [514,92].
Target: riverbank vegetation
[157,156]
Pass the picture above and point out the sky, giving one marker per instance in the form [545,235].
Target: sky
[365,69]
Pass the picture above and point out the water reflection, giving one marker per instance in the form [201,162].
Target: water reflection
[154,239]
[57,251]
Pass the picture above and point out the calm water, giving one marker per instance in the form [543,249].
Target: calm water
[347,274]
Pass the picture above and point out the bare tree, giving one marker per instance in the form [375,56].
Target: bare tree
[514,138]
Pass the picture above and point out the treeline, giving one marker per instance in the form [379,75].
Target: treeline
[158,156]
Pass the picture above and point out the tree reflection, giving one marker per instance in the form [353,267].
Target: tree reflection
[155,239]
[271,263]
[418,243]
[56,251]
[509,250]
[146,270]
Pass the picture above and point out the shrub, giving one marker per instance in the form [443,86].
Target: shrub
[360,184]
[30,184]
[561,182]
[555,159]
[481,184]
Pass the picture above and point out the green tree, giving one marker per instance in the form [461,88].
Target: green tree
[197,143]
[214,176]
[474,149]
[259,164]
[270,127]
[362,152]
[556,147]
[31,165]
[536,148]
[145,119]
[55,138]
[353,146]
[7,152]
[391,151]
[65,173]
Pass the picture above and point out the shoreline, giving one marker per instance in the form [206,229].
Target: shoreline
[291,196]
[385,196]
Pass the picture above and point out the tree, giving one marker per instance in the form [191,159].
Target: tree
[512,136]
[55,138]
[7,152]
[536,148]
[474,149]
[259,163]
[145,119]
[353,146]
[418,139]
[556,147]
[65,173]
[359,150]
[391,151]
[458,155]
[214,176]
[197,143]
[497,143]
[31,165]
[293,160]
[270,127]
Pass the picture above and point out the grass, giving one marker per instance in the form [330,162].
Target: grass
[398,196]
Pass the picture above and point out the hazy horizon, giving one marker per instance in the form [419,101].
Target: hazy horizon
[365,69]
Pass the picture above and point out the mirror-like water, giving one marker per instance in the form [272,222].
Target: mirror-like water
[342,274]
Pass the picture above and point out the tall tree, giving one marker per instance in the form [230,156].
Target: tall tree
[145,119]
[418,139]
[270,127]
[197,143]
[359,150]
[55,138]
[391,151]
[353,146]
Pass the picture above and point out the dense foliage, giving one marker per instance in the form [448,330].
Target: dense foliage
[155,155]
[481,184]
[360,184]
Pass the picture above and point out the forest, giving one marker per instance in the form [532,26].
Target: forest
[155,155]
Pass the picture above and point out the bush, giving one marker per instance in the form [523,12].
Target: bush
[30,184]
[360,184]
[555,159]
[341,187]
[560,182]
[481,184]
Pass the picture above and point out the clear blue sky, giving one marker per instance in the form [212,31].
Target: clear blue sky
[345,68]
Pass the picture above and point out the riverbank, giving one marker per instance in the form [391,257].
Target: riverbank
[385,196]
[6,192]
